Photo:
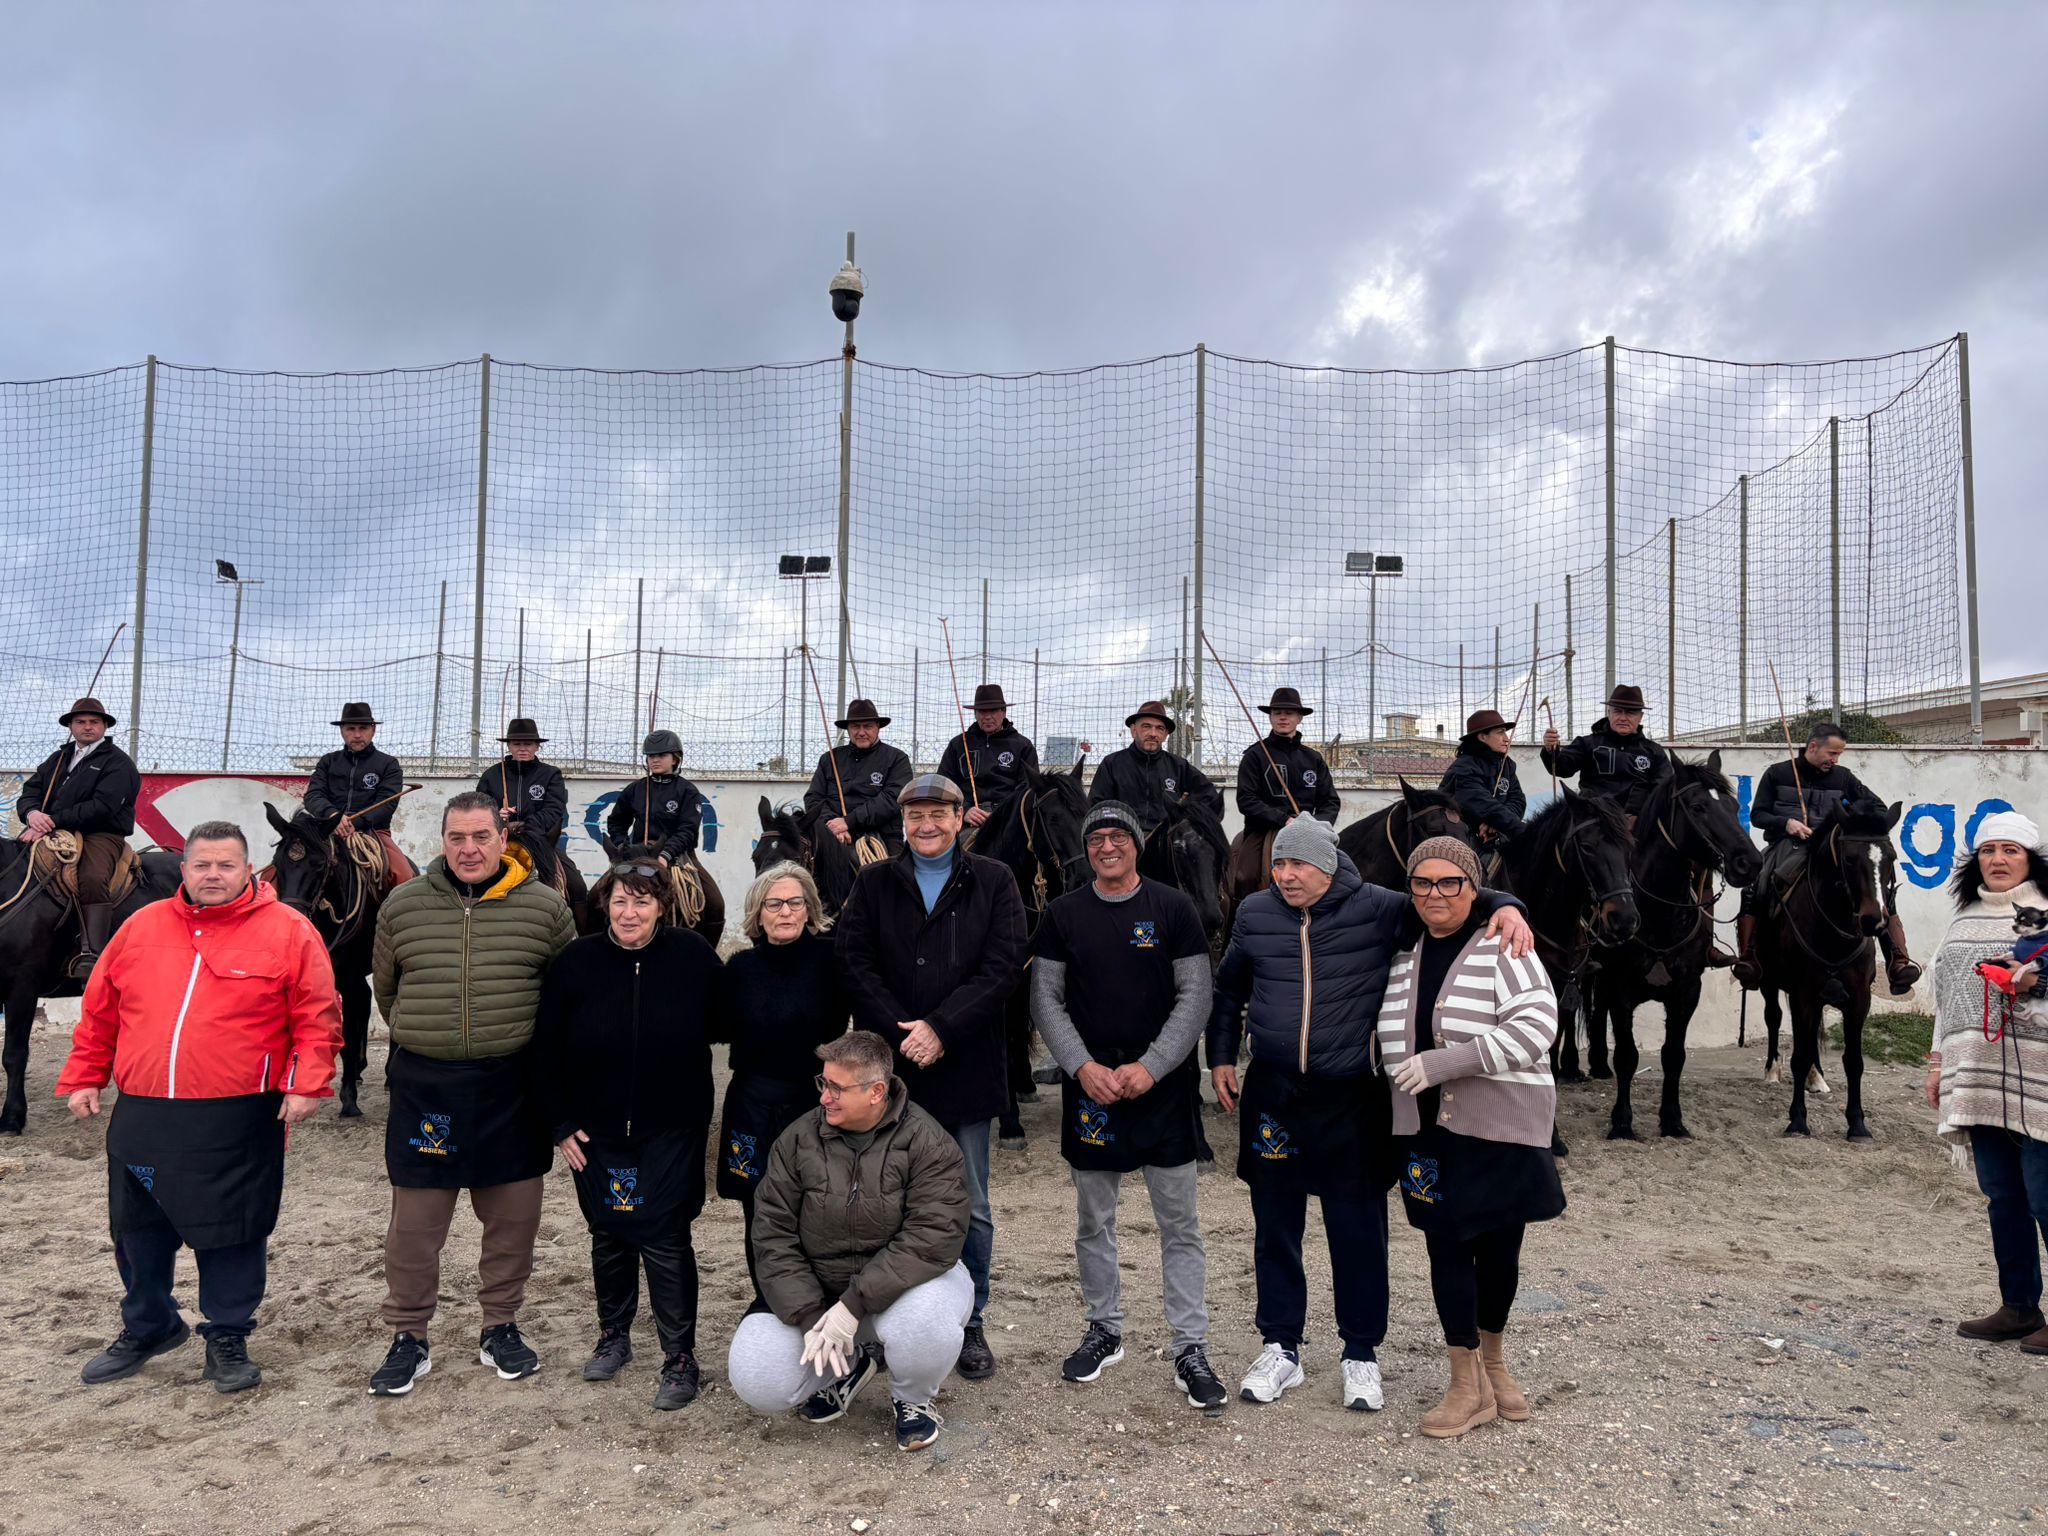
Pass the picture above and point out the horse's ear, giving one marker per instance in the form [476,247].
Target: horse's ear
[284,828]
[767,815]
[1410,793]
[1891,818]
[1079,763]
[1714,761]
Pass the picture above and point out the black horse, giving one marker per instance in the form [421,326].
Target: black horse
[1189,851]
[786,837]
[38,937]
[1815,942]
[1688,832]
[315,875]
[1379,844]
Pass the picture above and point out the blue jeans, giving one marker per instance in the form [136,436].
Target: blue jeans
[2012,1170]
[981,1223]
[230,1283]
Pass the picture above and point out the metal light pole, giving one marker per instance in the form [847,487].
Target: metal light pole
[1374,569]
[846,289]
[803,570]
[224,574]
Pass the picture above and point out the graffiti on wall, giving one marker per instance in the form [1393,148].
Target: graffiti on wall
[1933,835]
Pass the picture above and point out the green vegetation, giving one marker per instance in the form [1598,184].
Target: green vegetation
[1898,1037]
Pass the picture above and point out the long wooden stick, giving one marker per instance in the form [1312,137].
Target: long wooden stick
[505,752]
[825,720]
[1786,726]
[653,701]
[1257,734]
[1549,723]
[386,801]
[966,753]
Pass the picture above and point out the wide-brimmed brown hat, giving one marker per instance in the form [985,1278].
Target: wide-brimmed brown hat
[990,696]
[1151,709]
[522,729]
[861,712]
[357,714]
[86,706]
[1484,720]
[1285,698]
[1627,695]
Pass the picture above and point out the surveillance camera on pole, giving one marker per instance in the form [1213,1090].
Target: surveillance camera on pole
[847,288]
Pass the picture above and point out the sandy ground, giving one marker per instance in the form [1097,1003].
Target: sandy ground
[1736,1333]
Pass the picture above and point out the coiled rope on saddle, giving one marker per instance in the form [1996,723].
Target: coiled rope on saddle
[49,859]
[686,892]
[366,852]
[869,849]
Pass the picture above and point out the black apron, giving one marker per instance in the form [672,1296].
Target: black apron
[1466,1186]
[644,1187]
[757,1111]
[462,1124]
[1314,1135]
[212,1170]
[1154,1130]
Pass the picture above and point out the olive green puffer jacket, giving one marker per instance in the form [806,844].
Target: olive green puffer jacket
[457,978]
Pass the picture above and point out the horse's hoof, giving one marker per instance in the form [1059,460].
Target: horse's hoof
[1676,1130]
[1816,1081]
[1860,1133]
[1797,1130]
[1570,1075]
[1558,1148]
[1602,1072]
[1623,1133]
[12,1124]
[1774,1073]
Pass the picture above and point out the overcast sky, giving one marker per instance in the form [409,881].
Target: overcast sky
[1041,185]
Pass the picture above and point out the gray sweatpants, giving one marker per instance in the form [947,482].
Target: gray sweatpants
[1181,1260]
[920,1334]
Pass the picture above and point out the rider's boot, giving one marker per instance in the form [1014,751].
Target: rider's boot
[95,926]
[1748,969]
[1899,969]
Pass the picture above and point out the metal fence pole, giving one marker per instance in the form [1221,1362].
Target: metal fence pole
[1496,669]
[1835,559]
[142,562]
[984,630]
[586,699]
[1571,702]
[1535,651]
[519,687]
[1613,617]
[1034,694]
[639,633]
[227,729]
[440,654]
[1201,532]
[846,356]
[1671,626]
[916,679]
[1461,685]
[1869,542]
[1742,613]
[483,496]
[1323,689]
[1969,543]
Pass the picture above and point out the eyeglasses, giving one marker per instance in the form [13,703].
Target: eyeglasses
[1450,885]
[1104,839]
[784,904]
[832,1090]
[645,871]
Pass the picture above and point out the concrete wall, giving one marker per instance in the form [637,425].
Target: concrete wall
[1945,792]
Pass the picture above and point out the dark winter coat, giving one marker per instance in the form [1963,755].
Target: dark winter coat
[779,1004]
[1145,781]
[99,797]
[1470,781]
[537,796]
[1776,799]
[343,782]
[871,779]
[664,809]
[623,1036]
[1623,769]
[1001,763]
[954,967]
[832,1225]
[1261,800]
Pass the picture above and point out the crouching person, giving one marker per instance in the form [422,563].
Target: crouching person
[858,1226]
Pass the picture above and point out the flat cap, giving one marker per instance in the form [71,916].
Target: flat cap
[928,787]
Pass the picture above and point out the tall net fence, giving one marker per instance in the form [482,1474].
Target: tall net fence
[601,549]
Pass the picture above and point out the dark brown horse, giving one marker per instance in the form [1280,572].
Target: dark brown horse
[1379,844]
[785,835]
[1816,942]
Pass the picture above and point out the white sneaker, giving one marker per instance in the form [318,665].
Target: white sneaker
[1271,1374]
[1362,1388]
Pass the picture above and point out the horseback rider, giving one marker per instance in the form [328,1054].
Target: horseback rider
[87,787]
[661,809]
[1615,760]
[1273,768]
[1482,780]
[861,800]
[1790,801]
[533,802]
[1002,756]
[1145,776]
[357,789]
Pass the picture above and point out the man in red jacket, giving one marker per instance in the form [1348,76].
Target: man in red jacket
[215,1014]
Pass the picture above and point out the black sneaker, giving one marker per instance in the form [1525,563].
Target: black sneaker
[976,1363]
[614,1349]
[679,1382]
[405,1363]
[917,1426]
[829,1403]
[128,1354]
[228,1365]
[1099,1350]
[1192,1374]
[509,1355]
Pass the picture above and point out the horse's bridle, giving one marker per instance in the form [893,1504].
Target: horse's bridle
[1067,868]
[1595,896]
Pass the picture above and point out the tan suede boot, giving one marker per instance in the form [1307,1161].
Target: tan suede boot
[1467,1404]
[1509,1398]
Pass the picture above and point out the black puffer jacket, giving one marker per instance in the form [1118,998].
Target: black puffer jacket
[1814,794]
[1623,769]
[1263,802]
[343,782]
[99,797]
[1470,781]
[954,967]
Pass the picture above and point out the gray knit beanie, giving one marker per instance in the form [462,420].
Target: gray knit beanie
[1311,841]
[1451,851]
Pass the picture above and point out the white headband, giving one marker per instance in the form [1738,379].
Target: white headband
[2008,827]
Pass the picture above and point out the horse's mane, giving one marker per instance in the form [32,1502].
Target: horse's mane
[1549,826]
[1206,822]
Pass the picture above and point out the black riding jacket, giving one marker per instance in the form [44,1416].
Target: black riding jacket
[1001,762]
[1775,800]
[1145,781]
[343,782]
[536,796]
[99,797]
[1263,802]
[1623,769]
[1470,782]
[872,780]
[665,810]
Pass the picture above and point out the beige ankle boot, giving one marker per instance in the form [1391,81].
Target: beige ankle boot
[1467,1404]
[1509,1398]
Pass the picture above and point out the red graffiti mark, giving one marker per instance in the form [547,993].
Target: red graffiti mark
[155,786]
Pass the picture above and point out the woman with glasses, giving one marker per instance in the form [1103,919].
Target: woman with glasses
[1465,1031]
[782,999]
[625,1083]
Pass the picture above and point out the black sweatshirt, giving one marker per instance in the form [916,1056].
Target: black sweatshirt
[780,1003]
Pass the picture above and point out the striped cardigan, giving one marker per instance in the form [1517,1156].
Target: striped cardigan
[2001,1082]
[1494,1021]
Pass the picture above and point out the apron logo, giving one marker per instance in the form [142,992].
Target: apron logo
[1418,1180]
[1274,1144]
[369,781]
[1145,935]
[145,1174]
[1006,759]
[1091,1125]
[622,1189]
[740,1152]
[432,1140]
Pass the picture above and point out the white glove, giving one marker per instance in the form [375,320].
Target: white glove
[828,1347]
[1412,1076]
